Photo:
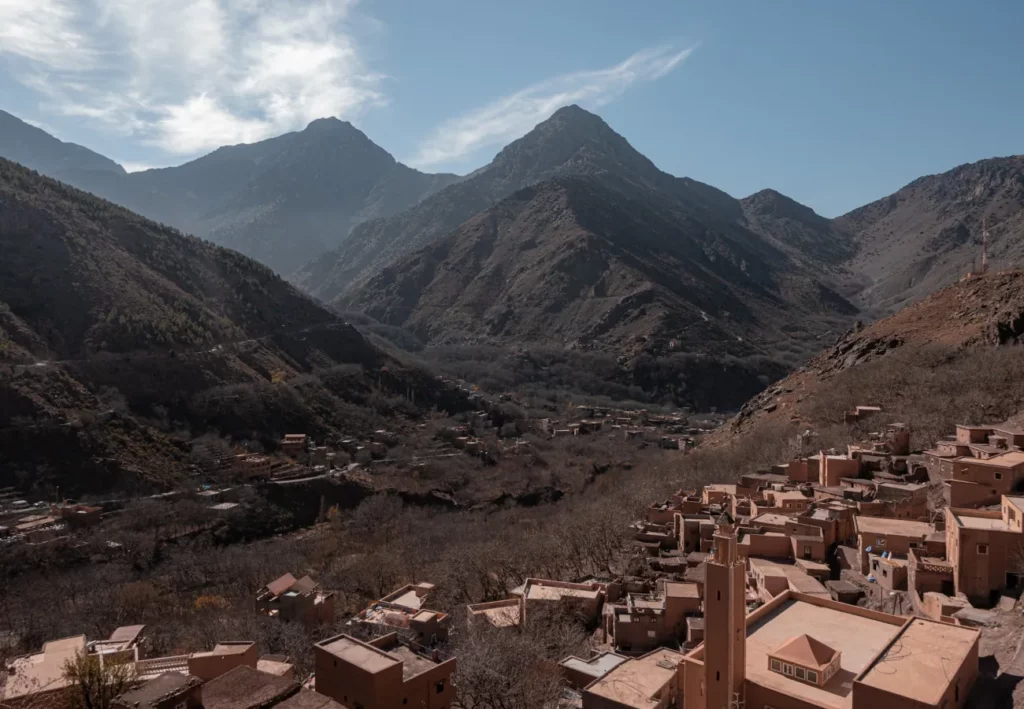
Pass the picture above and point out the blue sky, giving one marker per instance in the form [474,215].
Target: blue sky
[834,104]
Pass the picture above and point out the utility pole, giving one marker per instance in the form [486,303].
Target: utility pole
[984,246]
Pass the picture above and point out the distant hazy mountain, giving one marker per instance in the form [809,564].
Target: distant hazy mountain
[282,201]
[929,234]
[40,151]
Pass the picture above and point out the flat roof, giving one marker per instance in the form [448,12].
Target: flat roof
[409,599]
[635,683]
[1006,460]
[773,518]
[887,525]
[681,590]
[791,495]
[596,666]
[246,688]
[43,671]
[541,591]
[359,654]
[969,521]
[308,699]
[500,616]
[1016,501]
[412,664]
[857,637]
[921,659]
[149,693]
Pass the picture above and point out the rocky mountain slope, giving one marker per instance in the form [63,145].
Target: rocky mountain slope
[595,262]
[929,234]
[571,142]
[575,143]
[950,358]
[117,334]
[282,201]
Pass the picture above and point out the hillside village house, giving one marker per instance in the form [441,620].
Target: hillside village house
[288,598]
[295,445]
[986,549]
[878,536]
[384,673]
[647,621]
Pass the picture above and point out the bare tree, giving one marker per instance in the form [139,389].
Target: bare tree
[94,681]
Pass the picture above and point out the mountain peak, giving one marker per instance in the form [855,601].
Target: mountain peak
[330,125]
[573,118]
[773,202]
[570,136]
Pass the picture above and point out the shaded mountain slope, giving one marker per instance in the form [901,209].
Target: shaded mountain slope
[929,233]
[592,262]
[282,201]
[807,237]
[116,333]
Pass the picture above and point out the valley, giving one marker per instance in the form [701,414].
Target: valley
[545,403]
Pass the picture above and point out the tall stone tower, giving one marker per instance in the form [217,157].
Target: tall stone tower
[725,615]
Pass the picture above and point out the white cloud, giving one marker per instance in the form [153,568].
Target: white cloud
[512,116]
[45,32]
[191,75]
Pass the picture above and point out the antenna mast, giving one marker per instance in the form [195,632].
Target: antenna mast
[984,246]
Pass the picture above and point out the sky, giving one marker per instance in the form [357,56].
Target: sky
[832,103]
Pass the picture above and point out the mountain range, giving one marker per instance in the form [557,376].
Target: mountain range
[569,237]
[282,201]
[115,332]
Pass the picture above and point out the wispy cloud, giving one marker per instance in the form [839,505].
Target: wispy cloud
[511,116]
[191,75]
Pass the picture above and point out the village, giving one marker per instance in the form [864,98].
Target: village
[841,579]
[483,435]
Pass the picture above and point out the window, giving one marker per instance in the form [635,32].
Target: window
[776,665]
[439,687]
[719,595]
[718,675]
[800,674]
[812,676]
[983,549]
[651,634]
[787,669]
[880,542]
[999,476]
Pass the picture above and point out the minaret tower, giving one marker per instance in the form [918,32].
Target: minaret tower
[725,616]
